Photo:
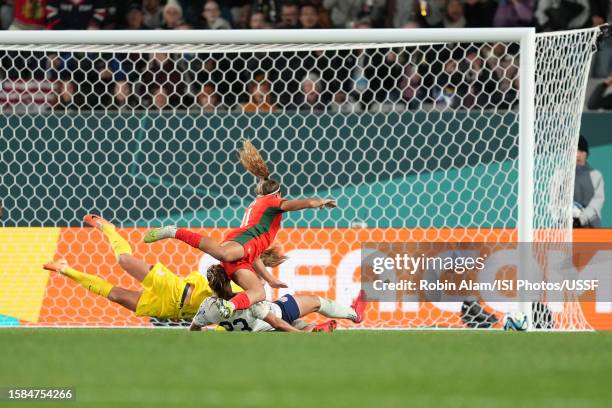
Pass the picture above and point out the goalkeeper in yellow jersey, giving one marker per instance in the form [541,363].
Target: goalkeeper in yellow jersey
[164,295]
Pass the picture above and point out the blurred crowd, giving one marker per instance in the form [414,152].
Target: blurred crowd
[454,76]
[547,15]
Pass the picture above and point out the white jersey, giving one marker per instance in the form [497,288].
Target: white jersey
[250,319]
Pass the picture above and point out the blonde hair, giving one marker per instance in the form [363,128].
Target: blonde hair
[252,160]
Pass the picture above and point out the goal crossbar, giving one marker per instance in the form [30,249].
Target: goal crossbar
[325,36]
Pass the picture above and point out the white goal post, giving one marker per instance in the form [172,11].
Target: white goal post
[421,134]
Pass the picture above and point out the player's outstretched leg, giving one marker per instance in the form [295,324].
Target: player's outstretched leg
[332,309]
[122,249]
[118,243]
[227,252]
[124,297]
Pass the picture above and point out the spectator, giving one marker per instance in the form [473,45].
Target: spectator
[599,11]
[363,21]
[159,98]
[111,20]
[123,97]
[67,99]
[345,12]
[7,11]
[75,14]
[401,12]
[29,15]
[309,16]
[601,97]
[165,73]
[514,13]
[211,17]
[475,77]
[588,190]
[384,75]
[289,16]
[260,99]
[410,87]
[173,16]
[555,15]
[268,8]
[153,13]
[448,82]
[309,98]
[454,17]
[127,67]
[258,21]
[191,11]
[344,104]
[324,18]
[208,99]
[134,18]
[479,13]
[241,16]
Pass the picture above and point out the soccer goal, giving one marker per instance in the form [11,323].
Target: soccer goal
[440,135]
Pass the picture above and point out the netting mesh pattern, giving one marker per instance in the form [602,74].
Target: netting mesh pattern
[425,124]
[562,64]
[415,141]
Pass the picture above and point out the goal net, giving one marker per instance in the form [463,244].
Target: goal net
[416,140]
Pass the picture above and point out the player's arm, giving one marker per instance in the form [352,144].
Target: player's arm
[262,311]
[262,271]
[297,205]
[195,327]
[199,320]
[279,324]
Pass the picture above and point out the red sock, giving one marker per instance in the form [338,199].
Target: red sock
[188,237]
[241,301]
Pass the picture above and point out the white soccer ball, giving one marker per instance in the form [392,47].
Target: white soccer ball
[515,321]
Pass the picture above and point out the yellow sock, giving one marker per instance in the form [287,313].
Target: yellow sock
[118,243]
[90,282]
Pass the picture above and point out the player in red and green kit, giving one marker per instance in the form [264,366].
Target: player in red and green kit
[243,246]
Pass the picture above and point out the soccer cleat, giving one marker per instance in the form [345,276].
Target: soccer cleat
[56,266]
[326,327]
[359,306]
[97,222]
[226,308]
[160,233]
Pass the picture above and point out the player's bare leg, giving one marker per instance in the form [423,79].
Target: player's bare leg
[124,297]
[254,292]
[123,251]
[225,252]
[329,308]
[137,268]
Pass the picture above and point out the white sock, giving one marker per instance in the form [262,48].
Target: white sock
[299,324]
[332,309]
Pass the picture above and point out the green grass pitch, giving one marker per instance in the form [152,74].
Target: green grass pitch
[168,368]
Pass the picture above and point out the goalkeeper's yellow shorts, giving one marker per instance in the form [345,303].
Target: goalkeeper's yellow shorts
[162,294]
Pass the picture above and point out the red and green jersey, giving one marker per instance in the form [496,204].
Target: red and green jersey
[259,226]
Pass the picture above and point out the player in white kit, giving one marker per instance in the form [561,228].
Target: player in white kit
[281,315]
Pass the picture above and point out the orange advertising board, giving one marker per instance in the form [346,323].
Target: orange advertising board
[325,262]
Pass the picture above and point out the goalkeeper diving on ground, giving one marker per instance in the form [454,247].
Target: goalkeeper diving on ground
[165,295]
